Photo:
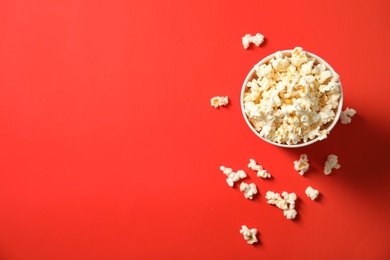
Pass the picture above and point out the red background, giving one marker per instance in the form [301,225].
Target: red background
[109,148]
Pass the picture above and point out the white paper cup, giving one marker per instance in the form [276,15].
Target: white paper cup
[252,74]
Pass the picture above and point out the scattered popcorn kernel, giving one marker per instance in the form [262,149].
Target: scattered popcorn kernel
[252,164]
[248,189]
[219,101]
[302,165]
[257,40]
[249,234]
[311,193]
[260,170]
[331,163]
[346,115]
[287,203]
[232,176]
[292,99]
[262,173]
[272,197]
[246,40]
[282,204]
[290,213]
[290,198]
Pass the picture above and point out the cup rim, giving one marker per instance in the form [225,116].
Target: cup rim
[266,60]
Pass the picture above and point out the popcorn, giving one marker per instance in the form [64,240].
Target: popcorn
[290,198]
[249,234]
[287,203]
[346,115]
[290,213]
[291,99]
[257,40]
[260,171]
[248,189]
[311,193]
[273,199]
[302,165]
[232,176]
[331,163]
[219,101]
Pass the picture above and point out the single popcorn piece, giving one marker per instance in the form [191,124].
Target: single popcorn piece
[232,176]
[219,101]
[257,40]
[302,165]
[249,234]
[292,99]
[248,189]
[290,213]
[331,163]
[311,193]
[260,170]
[346,115]
[286,202]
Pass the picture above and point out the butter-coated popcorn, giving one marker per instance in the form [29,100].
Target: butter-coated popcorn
[311,193]
[260,170]
[249,234]
[219,101]
[232,176]
[257,40]
[302,165]
[248,189]
[346,115]
[331,163]
[292,99]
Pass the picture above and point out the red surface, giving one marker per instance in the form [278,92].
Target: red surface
[109,148]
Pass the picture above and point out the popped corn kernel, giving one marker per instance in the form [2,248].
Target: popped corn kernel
[248,189]
[302,165]
[287,203]
[257,40]
[249,234]
[232,176]
[252,164]
[346,115]
[292,99]
[290,213]
[260,170]
[219,101]
[290,198]
[311,193]
[331,163]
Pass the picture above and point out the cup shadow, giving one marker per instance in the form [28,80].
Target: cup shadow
[362,149]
